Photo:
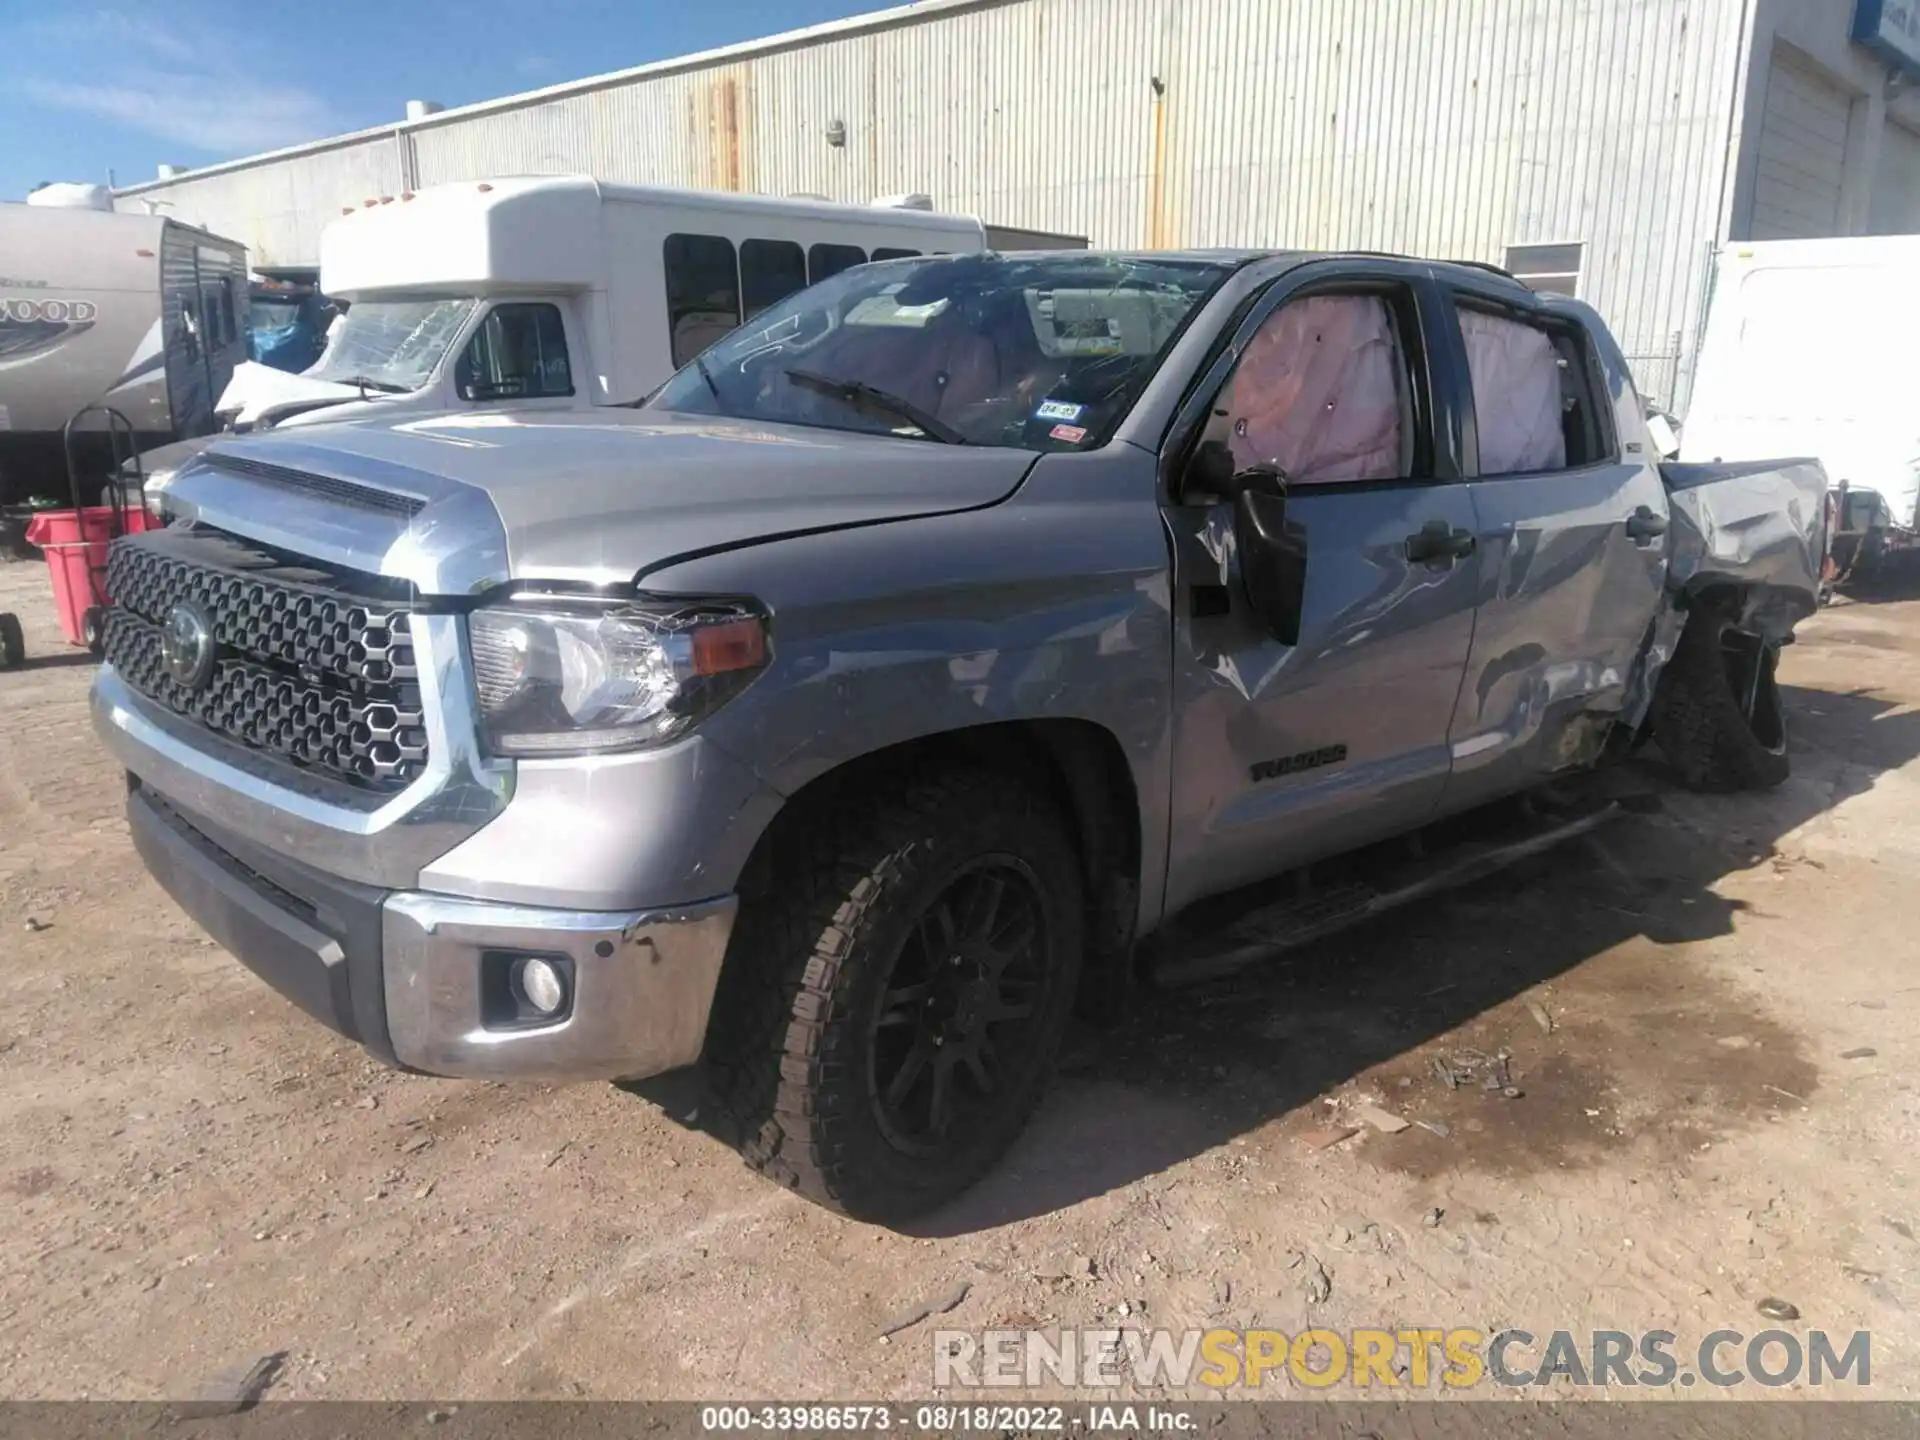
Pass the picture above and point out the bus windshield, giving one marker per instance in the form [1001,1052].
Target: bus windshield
[392,344]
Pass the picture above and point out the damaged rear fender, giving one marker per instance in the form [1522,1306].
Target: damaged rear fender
[1760,528]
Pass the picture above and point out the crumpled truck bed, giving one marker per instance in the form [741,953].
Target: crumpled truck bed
[1758,524]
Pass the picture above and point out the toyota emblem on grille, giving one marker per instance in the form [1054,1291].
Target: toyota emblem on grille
[186,646]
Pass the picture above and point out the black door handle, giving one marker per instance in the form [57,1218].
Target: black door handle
[1437,543]
[1644,526]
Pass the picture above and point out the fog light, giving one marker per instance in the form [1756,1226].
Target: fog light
[541,985]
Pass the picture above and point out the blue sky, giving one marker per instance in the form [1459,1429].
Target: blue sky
[85,88]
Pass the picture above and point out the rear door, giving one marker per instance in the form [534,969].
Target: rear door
[1288,747]
[1572,552]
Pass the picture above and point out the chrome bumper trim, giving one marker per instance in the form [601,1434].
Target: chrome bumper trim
[374,840]
[644,983]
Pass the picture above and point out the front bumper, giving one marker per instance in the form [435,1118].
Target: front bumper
[415,977]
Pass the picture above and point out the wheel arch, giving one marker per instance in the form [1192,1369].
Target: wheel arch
[1080,764]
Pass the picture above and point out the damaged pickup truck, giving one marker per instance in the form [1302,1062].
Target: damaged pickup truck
[836,718]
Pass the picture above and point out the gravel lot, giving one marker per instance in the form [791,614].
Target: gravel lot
[196,1175]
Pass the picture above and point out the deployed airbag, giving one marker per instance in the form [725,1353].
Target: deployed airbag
[1317,393]
[1516,394]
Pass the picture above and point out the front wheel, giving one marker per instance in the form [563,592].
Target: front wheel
[1717,712]
[895,1000]
[93,630]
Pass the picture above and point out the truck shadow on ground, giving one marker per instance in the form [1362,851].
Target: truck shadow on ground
[1632,1044]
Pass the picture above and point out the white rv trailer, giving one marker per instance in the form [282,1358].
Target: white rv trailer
[1809,351]
[560,292]
[134,311]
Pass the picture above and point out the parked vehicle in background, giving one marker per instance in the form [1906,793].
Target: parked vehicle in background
[1809,351]
[840,716]
[555,293]
[137,312]
[288,326]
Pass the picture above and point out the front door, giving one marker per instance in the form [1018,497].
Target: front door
[1292,746]
[1572,549]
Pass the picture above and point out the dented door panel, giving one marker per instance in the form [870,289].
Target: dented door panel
[1565,597]
[1286,753]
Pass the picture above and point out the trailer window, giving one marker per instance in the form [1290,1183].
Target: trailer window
[703,292]
[770,270]
[826,260]
[883,253]
[518,353]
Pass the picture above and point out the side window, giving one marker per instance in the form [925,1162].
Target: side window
[703,292]
[825,260]
[1534,401]
[881,252]
[1322,392]
[518,353]
[770,270]
[229,321]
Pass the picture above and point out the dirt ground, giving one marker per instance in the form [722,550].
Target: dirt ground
[195,1174]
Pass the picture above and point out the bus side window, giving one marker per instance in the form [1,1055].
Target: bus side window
[883,253]
[770,270]
[824,260]
[703,292]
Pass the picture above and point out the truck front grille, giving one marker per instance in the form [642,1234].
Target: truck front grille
[311,666]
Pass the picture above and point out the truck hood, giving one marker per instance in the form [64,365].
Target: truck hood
[459,503]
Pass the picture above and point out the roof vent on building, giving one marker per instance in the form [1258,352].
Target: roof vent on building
[905,202]
[168,172]
[420,109]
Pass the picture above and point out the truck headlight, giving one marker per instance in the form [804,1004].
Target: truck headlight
[561,677]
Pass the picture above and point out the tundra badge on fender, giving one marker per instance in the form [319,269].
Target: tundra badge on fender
[1294,764]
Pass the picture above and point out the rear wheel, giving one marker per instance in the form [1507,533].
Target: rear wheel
[13,644]
[895,1000]
[1718,714]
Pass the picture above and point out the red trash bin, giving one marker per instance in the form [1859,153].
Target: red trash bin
[75,542]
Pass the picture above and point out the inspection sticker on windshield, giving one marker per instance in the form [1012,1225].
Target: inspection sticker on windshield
[1058,410]
[1072,434]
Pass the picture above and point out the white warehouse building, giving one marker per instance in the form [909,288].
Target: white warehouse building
[1605,147]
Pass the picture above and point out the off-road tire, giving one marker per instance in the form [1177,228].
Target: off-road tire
[785,1074]
[1699,720]
[13,644]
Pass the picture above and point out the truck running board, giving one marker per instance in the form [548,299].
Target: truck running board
[1187,954]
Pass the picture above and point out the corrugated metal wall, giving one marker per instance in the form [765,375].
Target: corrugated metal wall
[1447,127]
[277,209]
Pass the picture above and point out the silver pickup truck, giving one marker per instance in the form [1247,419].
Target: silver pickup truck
[840,716]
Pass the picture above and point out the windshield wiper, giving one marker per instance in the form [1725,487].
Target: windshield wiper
[366,383]
[857,392]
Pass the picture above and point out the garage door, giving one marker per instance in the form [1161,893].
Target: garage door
[1803,153]
[1896,184]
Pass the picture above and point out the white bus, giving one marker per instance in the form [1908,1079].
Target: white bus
[559,292]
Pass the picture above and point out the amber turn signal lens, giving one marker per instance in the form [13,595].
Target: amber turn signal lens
[729,646]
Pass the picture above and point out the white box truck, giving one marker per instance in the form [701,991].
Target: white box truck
[1809,351]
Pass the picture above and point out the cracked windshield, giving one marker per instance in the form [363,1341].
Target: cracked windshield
[1040,353]
[392,344]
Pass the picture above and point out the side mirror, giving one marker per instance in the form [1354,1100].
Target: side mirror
[1273,560]
[1209,471]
